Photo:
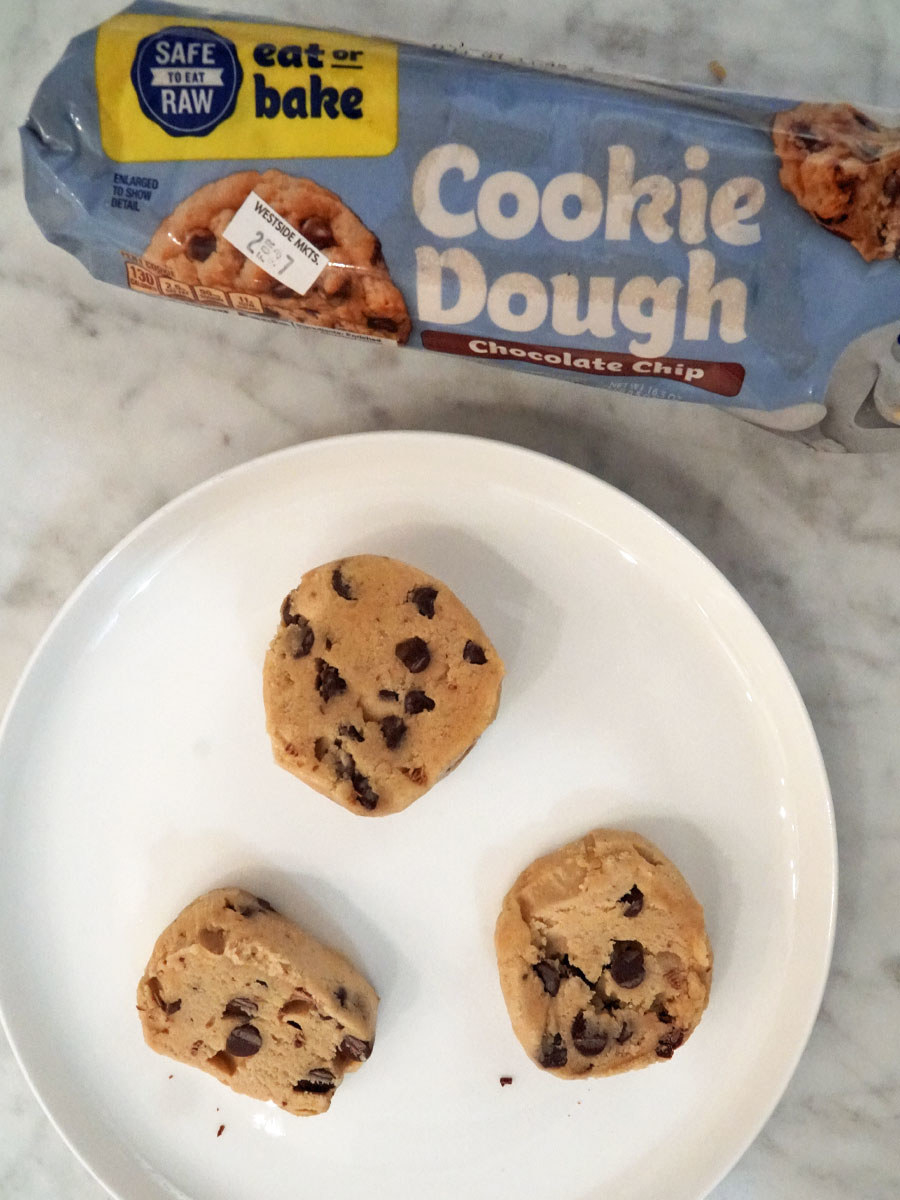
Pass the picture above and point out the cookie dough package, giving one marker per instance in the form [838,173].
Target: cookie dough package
[681,243]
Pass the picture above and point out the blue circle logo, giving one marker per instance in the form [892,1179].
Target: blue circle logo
[187,79]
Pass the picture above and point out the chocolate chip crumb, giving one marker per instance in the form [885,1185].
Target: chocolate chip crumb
[340,585]
[505,1080]
[553,1051]
[316,1086]
[416,702]
[633,901]
[587,1040]
[423,598]
[328,680]
[549,975]
[241,1006]
[473,653]
[365,793]
[220,1131]
[669,1043]
[393,730]
[356,1048]
[351,731]
[243,1041]
[299,637]
[414,654]
[626,964]
[169,1008]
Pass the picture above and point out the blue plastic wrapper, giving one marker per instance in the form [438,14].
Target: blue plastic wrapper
[678,243]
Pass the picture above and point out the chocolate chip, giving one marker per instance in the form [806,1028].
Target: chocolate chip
[891,187]
[414,654]
[549,975]
[393,730]
[318,231]
[387,694]
[866,122]
[169,1008]
[553,1051]
[377,254]
[423,598]
[288,616]
[241,1006]
[321,1075]
[356,1048]
[319,1081]
[624,1034]
[299,637]
[386,324]
[633,901]
[281,291]
[328,680]
[243,1041]
[341,996]
[351,731]
[320,749]
[626,964]
[664,1015]
[340,585]
[365,793]
[251,910]
[587,1041]
[669,1043]
[473,653]
[866,152]
[416,702]
[808,141]
[341,292]
[200,245]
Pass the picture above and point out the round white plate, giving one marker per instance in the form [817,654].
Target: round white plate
[135,774]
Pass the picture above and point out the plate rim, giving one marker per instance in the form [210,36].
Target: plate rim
[546,461]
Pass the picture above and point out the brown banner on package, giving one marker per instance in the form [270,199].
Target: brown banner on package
[723,378]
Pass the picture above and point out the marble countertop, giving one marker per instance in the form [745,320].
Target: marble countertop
[93,439]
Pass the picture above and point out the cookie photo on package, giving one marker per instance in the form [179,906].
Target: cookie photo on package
[679,243]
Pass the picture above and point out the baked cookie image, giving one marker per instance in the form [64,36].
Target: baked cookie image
[604,961]
[377,683]
[354,293]
[844,169]
[239,991]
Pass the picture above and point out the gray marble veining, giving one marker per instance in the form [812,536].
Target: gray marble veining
[93,438]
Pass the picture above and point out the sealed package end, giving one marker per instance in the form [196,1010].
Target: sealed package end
[677,243]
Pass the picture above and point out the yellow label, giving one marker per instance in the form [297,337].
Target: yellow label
[186,88]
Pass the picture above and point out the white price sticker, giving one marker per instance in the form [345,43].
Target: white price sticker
[275,245]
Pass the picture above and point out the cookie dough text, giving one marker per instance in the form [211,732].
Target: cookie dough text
[453,288]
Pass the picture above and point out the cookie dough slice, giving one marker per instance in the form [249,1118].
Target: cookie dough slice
[843,168]
[604,961]
[244,994]
[377,683]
